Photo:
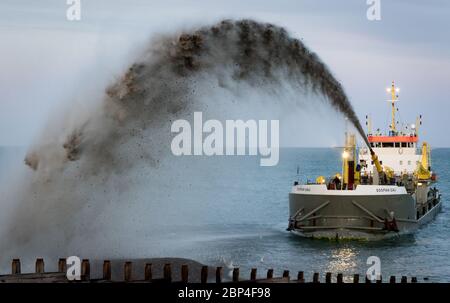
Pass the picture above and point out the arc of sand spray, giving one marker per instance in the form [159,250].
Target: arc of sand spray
[160,82]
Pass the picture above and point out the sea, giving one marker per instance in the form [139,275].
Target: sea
[245,225]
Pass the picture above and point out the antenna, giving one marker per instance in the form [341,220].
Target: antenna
[418,125]
[394,98]
[369,125]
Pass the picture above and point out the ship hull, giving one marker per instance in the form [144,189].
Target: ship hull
[350,215]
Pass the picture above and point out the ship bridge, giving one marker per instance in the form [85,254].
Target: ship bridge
[398,149]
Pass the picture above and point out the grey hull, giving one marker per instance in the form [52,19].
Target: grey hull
[358,217]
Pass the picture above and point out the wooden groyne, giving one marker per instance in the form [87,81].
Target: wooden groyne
[184,275]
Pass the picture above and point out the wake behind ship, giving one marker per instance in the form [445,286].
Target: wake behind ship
[383,191]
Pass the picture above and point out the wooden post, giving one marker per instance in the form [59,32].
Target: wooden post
[39,265]
[392,279]
[236,274]
[219,274]
[286,274]
[167,272]
[404,279]
[62,265]
[204,274]
[148,272]
[413,280]
[15,267]
[300,277]
[340,278]
[128,271]
[253,274]
[107,270]
[86,269]
[328,277]
[184,273]
[316,277]
[270,273]
[355,278]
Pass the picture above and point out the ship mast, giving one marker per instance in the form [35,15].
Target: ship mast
[394,98]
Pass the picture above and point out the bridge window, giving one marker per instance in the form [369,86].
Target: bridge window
[388,144]
[375,144]
[401,162]
[404,144]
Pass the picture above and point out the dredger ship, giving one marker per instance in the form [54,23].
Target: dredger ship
[383,190]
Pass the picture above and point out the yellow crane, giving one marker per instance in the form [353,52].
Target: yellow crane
[423,166]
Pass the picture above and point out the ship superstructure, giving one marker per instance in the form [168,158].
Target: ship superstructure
[384,189]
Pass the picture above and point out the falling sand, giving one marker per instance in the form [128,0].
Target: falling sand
[124,130]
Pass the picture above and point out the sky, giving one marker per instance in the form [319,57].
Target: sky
[47,61]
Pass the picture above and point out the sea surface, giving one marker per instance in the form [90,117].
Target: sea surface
[247,215]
